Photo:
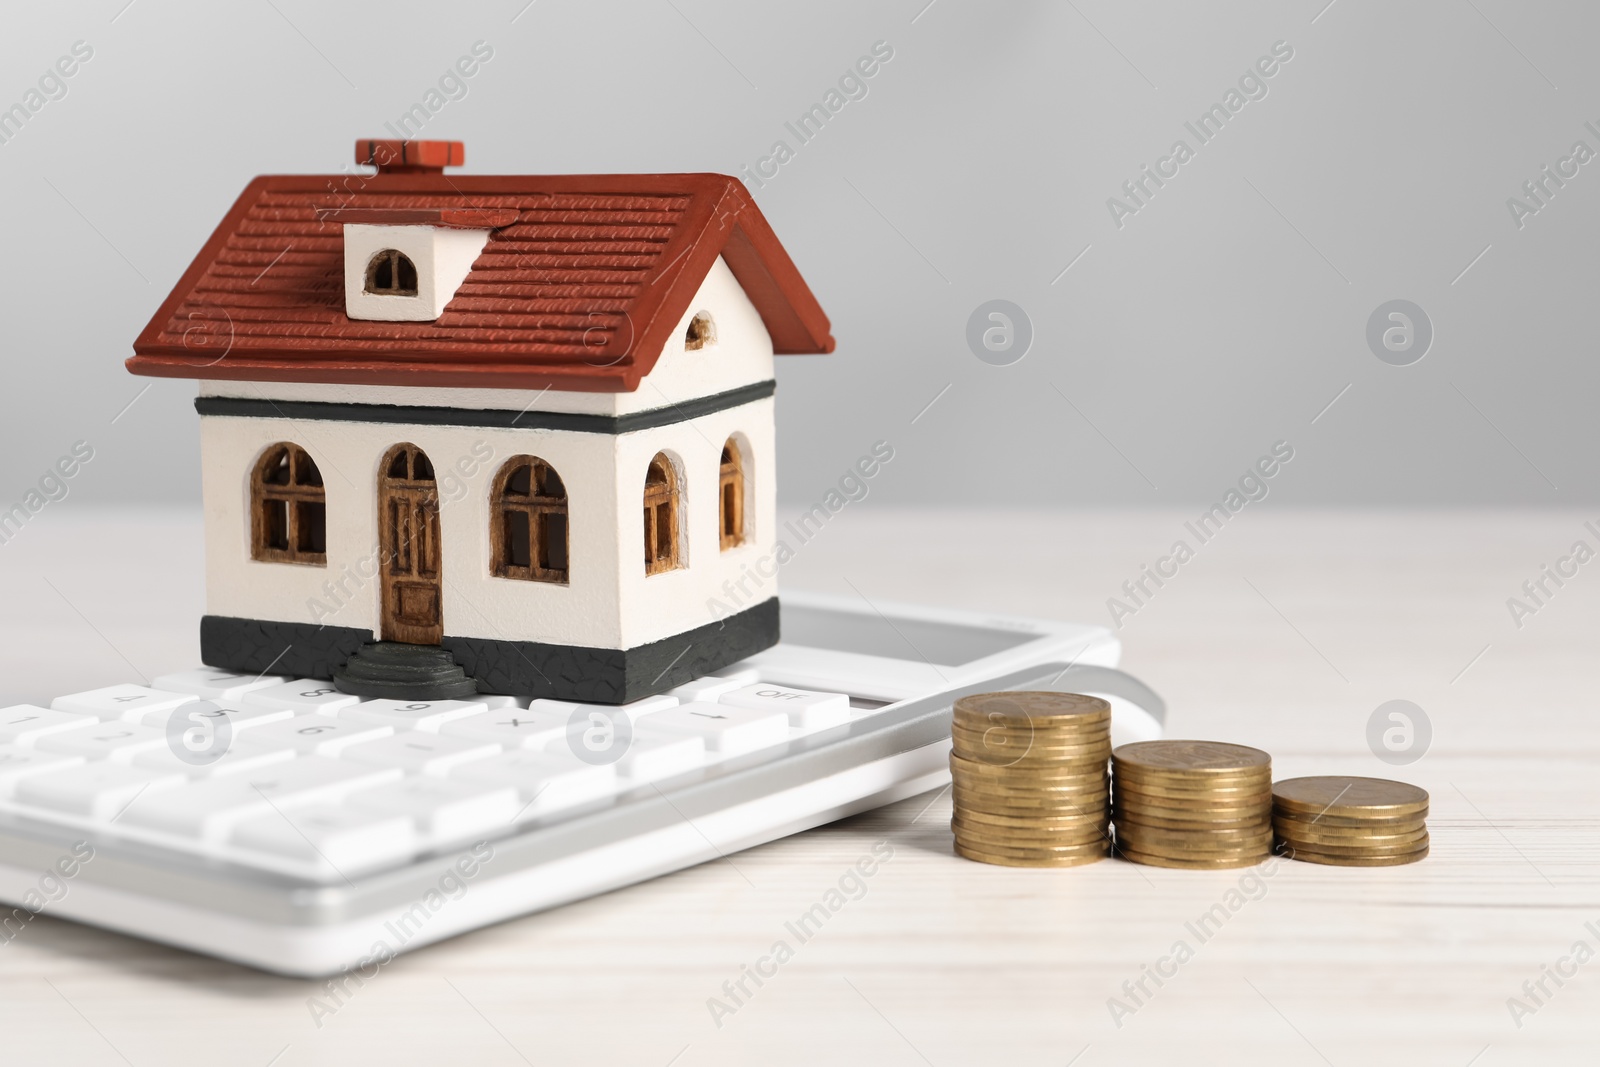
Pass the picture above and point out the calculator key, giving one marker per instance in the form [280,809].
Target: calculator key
[213,682]
[18,764]
[806,710]
[99,790]
[726,730]
[119,741]
[713,686]
[659,702]
[317,734]
[421,753]
[498,701]
[338,836]
[240,716]
[208,809]
[24,724]
[649,757]
[238,758]
[511,727]
[427,715]
[129,703]
[443,809]
[304,695]
[547,781]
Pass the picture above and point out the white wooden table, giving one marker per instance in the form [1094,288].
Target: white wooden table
[1286,632]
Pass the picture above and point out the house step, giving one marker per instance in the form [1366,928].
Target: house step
[398,671]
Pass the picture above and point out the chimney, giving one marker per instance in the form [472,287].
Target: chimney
[410,157]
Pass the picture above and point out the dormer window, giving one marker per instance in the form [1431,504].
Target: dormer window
[701,332]
[391,273]
[405,264]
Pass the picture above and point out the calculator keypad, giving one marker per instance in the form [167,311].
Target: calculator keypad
[320,784]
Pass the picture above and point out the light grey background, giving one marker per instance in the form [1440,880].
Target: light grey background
[1222,317]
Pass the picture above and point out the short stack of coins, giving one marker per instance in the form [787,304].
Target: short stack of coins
[1192,804]
[1350,822]
[1028,771]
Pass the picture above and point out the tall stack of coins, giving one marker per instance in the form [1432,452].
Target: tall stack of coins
[1193,804]
[1029,777]
[1350,822]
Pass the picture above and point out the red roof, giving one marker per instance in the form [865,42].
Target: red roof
[582,282]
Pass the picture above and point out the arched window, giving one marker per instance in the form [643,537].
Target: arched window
[288,504]
[391,273]
[529,512]
[701,332]
[730,496]
[661,549]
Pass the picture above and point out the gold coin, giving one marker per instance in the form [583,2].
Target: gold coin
[1199,820]
[1008,740]
[1380,824]
[967,797]
[1228,863]
[1193,800]
[1022,782]
[1349,796]
[1397,860]
[1192,786]
[1194,809]
[1023,808]
[1030,828]
[1142,840]
[1139,791]
[1087,760]
[990,746]
[999,804]
[1344,835]
[1191,757]
[1031,759]
[1184,822]
[1187,775]
[1022,731]
[1065,731]
[966,787]
[1159,839]
[1023,779]
[1003,860]
[1026,822]
[1148,839]
[1077,790]
[1006,842]
[1195,777]
[1051,845]
[1098,844]
[1231,837]
[1194,790]
[1409,843]
[1032,706]
[978,769]
[1024,787]
[1063,814]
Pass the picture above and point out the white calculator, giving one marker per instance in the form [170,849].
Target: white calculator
[282,824]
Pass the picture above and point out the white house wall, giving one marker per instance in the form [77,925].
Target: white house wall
[660,605]
[609,601]
[741,356]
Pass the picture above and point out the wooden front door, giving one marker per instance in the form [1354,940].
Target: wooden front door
[408,525]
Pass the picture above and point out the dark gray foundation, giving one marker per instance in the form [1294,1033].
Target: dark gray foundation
[521,668]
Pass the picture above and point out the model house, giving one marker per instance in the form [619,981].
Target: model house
[494,434]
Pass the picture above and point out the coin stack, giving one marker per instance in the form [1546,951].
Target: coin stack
[1029,777]
[1350,822]
[1192,804]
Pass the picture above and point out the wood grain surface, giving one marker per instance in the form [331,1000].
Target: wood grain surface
[1285,632]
